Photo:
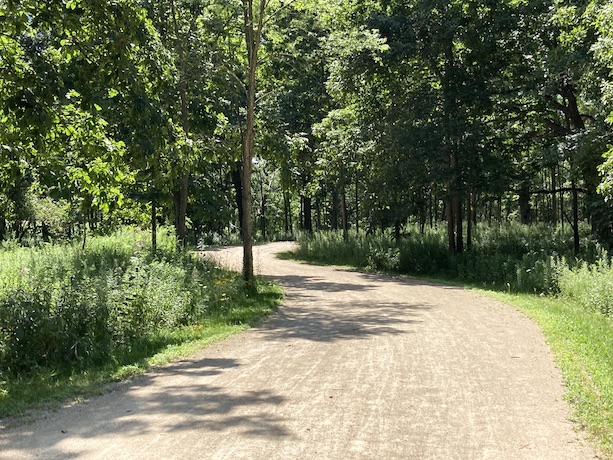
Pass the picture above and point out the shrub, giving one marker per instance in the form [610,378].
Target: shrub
[519,257]
[591,286]
[64,307]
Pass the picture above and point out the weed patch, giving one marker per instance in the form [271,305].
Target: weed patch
[70,319]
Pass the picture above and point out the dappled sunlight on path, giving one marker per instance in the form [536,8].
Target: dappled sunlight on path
[354,365]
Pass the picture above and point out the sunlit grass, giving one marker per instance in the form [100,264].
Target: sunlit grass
[73,320]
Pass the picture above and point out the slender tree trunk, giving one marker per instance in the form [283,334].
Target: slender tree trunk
[84,233]
[334,214]
[252,36]
[357,205]
[286,211]
[450,224]
[154,225]
[576,243]
[263,211]
[307,214]
[561,203]
[469,222]
[459,226]
[344,214]
[430,210]
[237,182]
[182,192]
[182,211]
[554,197]
[525,211]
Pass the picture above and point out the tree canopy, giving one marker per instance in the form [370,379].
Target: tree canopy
[304,115]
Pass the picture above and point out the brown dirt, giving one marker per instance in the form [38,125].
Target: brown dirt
[353,365]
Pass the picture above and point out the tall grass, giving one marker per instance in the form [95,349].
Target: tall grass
[518,257]
[65,310]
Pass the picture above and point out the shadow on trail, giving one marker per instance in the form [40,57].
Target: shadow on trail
[189,404]
[362,322]
[316,283]
[324,311]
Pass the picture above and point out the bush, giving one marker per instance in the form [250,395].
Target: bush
[64,307]
[517,257]
[591,286]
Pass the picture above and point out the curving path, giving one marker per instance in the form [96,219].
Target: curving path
[354,366]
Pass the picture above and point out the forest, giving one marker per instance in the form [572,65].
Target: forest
[468,140]
[352,115]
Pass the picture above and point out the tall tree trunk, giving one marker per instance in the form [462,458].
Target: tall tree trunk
[183,190]
[469,222]
[237,182]
[450,223]
[459,226]
[576,243]
[525,211]
[335,206]
[286,212]
[430,210]
[357,205]
[263,211]
[344,214]
[554,197]
[154,225]
[307,216]
[181,211]
[253,35]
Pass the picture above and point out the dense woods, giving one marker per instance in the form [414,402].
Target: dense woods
[263,118]
[459,139]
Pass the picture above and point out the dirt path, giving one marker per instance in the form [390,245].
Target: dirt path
[353,366]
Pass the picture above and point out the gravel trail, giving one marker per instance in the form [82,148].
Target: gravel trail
[353,366]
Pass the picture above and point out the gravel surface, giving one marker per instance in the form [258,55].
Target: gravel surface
[353,366]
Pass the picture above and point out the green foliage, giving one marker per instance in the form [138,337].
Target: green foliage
[65,308]
[590,286]
[518,257]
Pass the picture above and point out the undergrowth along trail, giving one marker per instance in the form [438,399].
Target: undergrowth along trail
[72,319]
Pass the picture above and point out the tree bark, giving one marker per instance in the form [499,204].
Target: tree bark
[357,205]
[334,213]
[525,211]
[263,211]
[237,182]
[344,214]
[154,221]
[307,214]
[459,226]
[469,222]
[554,197]
[182,192]
[253,35]
[450,224]
[287,212]
[576,242]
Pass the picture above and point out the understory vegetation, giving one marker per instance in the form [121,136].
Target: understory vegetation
[538,258]
[73,317]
